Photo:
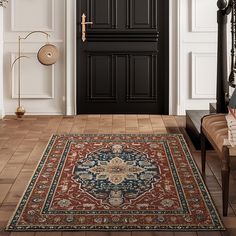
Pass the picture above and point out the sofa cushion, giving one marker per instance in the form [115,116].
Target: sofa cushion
[215,128]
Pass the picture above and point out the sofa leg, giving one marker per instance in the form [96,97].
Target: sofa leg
[225,190]
[225,171]
[203,153]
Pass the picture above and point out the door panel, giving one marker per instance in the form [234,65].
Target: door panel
[120,66]
[100,77]
[143,18]
[101,13]
[142,83]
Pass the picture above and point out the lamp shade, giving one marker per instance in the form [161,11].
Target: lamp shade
[48,54]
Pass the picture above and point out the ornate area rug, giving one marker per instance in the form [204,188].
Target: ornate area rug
[116,182]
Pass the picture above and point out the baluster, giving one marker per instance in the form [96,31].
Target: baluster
[233,31]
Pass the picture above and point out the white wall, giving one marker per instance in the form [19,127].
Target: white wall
[197,54]
[1,62]
[192,55]
[43,87]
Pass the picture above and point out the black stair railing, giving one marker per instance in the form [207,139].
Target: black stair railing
[223,82]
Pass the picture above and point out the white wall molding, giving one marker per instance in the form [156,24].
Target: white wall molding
[203,69]
[197,40]
[201,20]
[51,40]
[70,57]
[41,85]
[180,105]
[173,56]
[27,24]
[1,63]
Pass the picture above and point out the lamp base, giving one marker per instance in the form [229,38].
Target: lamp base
[20,111]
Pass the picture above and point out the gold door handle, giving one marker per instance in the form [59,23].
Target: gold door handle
[83,24]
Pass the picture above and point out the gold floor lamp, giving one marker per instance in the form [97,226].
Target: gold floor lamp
[47,55]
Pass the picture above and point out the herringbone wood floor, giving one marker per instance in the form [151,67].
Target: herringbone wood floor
[22,142]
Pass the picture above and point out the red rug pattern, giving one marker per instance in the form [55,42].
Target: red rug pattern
[116,182]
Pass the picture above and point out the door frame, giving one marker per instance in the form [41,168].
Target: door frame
[70,57]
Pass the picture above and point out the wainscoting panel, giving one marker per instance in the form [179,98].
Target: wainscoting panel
[38,82]
[197,50]
[203,16]
[203,75]
[29,15]
[42,87]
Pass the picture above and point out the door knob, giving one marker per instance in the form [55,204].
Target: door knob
[83,24]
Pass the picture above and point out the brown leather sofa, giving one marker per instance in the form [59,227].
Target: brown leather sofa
[214,128]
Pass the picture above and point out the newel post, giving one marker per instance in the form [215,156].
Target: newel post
[222,90]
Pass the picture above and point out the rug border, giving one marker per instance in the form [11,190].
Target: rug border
[27,185]
[119,228]
[202,180]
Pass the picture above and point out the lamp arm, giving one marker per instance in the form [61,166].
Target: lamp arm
[19,81]
[20,110]
[33,32]
[18,58]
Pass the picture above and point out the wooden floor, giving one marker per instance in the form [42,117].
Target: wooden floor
[23,141]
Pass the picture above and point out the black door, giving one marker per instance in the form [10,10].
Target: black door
[122,67]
